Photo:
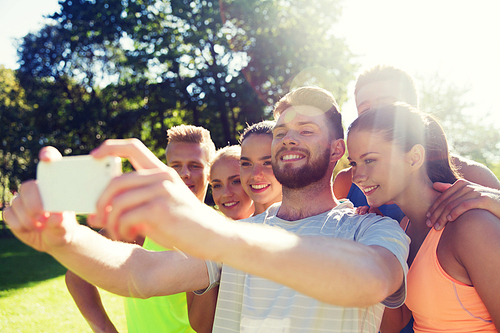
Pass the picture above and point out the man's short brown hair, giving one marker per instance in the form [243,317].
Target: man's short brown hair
[407,92]
[192,134]
[317,97]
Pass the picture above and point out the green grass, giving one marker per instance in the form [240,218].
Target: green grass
[34,298]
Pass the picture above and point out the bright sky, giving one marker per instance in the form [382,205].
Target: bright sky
[459,39]
[17,19]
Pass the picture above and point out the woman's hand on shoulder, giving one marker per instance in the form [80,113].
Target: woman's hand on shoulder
[362,210]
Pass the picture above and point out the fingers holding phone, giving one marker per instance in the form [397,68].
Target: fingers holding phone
[132,149]
[153,192]
[49,153]
[32,224]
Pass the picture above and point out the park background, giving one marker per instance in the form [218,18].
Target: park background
[92,70]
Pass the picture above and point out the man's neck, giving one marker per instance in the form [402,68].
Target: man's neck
[308,201]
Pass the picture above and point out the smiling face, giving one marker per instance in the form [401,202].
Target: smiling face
[379,168]
[227,191]
[301,147]
[190,160]
[257,175]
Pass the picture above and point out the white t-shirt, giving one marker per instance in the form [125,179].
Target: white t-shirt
[248,303]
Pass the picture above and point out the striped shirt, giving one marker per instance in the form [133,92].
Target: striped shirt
[248,303]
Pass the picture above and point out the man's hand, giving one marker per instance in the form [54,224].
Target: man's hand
[139,201]
[125,205]
[132,149]
[362,210]
[152,201]
[43,230]
[459,198]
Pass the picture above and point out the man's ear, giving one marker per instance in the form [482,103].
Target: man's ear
[337,149]
[416,156]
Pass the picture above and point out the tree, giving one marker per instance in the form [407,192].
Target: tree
[134,68]
[219,64]
[17,135]
[467,136]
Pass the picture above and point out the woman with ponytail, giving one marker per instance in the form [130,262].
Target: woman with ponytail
[396,154]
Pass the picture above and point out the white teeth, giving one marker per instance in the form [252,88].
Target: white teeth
[229,204]
[290,157]
[368,189]
[258,187]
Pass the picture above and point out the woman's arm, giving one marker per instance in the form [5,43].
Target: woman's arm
[394,320]
[201,310]
[475,243]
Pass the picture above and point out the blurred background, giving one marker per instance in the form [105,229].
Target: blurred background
[74,73]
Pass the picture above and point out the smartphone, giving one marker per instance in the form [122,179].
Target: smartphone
[75,183]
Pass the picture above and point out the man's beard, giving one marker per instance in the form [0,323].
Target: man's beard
[311,172]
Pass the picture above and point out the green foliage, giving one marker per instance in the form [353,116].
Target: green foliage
[113,68]
[467,135]
[119,69]
[16,141]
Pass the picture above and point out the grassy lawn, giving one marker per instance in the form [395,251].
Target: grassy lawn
[34,298]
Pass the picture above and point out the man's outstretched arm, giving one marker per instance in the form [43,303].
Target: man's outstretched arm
[336,271]
[157,204]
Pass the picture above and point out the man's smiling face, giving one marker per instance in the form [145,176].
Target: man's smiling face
[301,146]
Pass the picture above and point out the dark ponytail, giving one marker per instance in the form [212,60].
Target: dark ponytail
[438,163]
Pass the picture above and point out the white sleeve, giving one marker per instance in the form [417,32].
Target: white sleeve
[214,271]
[386,232]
